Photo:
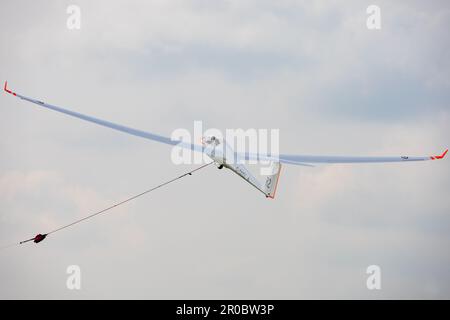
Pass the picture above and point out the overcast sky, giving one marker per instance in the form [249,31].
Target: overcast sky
[311,69]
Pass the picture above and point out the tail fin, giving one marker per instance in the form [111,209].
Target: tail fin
[270,186]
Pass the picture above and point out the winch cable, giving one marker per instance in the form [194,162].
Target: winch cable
[38,238]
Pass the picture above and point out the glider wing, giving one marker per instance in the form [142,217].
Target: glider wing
[309,160]
[118,127]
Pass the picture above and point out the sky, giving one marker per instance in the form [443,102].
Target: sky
[311,69]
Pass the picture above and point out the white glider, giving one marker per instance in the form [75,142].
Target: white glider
[224,156]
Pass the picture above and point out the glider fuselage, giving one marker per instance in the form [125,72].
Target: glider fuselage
[224,156]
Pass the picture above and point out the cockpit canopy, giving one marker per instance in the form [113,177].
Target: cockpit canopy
[210,141]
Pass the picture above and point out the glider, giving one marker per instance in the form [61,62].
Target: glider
[224,156]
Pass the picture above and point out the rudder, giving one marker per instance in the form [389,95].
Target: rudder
[271,183]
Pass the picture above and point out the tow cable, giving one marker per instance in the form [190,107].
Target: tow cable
[40,237]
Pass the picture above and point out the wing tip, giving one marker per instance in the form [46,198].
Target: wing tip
[5,88]
[442,156]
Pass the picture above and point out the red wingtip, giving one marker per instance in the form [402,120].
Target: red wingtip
[6,88]
[441,156]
